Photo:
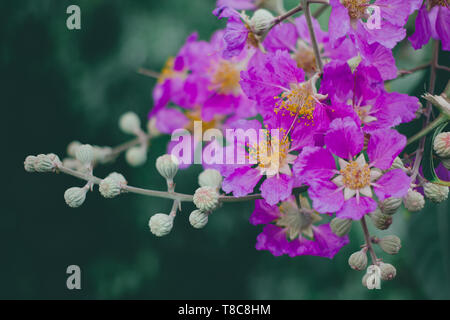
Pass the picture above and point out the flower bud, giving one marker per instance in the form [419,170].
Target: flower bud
[397,164]
[117,176]
[206,199]
[129,123]
[110,187]
[75,196]
[29,163]
[373,280]
[442,145]
[85,154]
[136,156]
[160,224]
[198,219]
[390,205]
[390,244]
[414,201]
[388,271]
[261,21]
[167,166]
[44,163]
[358,260]
[210,178]
[446,163]
[381,221]
[341,227]
[101,154]
[435,192]
[72,148]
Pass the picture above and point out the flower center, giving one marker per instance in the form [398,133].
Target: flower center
[356,8]
[299,100]
[355,176]
[270,153]
[195,115]
[305,59]
[225,79]
[167,71]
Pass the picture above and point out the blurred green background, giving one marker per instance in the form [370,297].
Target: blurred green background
[59,85]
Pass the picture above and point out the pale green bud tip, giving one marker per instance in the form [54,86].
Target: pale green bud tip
[388,271]
[129,123]
[119,177]
[136,156]
[390,244]
[198,219]
[261,21]
[110,187]
[380,220]
[210,178]
[206,198]
[167,166]
[414,201]
[43,163]
[354,62]
[390,205]
[435,192]
[397,164]
[160,224]
[75,196]
[85,154]
[442,145]
[341,227]
[29,163]
[72,148]
[358,260]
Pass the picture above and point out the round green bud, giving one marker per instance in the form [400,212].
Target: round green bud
[390,244]
[388,271]
[85,154]
[110,187]
[75,196]
[435,192]
[206,198]
[414,201]
[102,154]
[29,163]
[198,219]
[160,224]
[44,163]
[129,123]
[261,21]
[136,156]
[210,178]
[167,166]
[380,220]
[341,227]
[358,260]
[441,145]
[390,205]
[119,177]
[72,148]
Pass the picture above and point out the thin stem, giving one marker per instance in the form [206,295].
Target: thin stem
[125,146]
[149,73]
[438,66]
[321,10]
[312,34]
[440,119]
[286,15]
[410,71]
[368,241]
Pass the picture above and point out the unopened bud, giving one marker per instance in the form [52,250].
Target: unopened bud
[390,244]
[85,154]
[167,166]
[358,260]
[198,219]
[129,123]
[29,163]
[136,156]
[261,21]
[435,192]
[341,227]
[75,196]
[397,164]
[117,176]
[210,178]
[373,280]
[390,205]
[160,224]
[110,187]
[380,220]
[45,163]
[414,201]
[206,198]
[72,148]
[388,271]
[101,154]
[442,145]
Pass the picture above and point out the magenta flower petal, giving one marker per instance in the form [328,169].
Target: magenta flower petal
[273,239]
[384,146]
[276,189]
[422,33]
[337,81]
[282,37]
[264,213]
[168,120]
[354,210]
[344,138]
[395,11]
[387,35]
[394,183]
[314,163]
[326,196]
[443,27]
[339,24]
[242,181]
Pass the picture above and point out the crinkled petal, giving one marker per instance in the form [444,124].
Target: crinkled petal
[314,163]
[264,213]
[352,209]
[273,239]
[344,138]
[394,183]
[242,181]
[326,196]
[384,146]
[339,23]
[276,189]
[168,120]
[443,27]
[422,32]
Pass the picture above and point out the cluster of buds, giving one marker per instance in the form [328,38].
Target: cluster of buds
[129,123]
[112,185]
[42,163]
[99,155]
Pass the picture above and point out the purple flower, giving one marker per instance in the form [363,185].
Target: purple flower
[434,23]
[290,230]
[349,189]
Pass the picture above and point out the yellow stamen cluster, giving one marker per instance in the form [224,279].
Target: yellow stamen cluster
[167,71]
[297,101]
[355,176]
[225,79]
[356,8]
[271,151]
[195,115]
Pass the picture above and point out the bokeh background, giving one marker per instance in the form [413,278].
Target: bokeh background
[59,85]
